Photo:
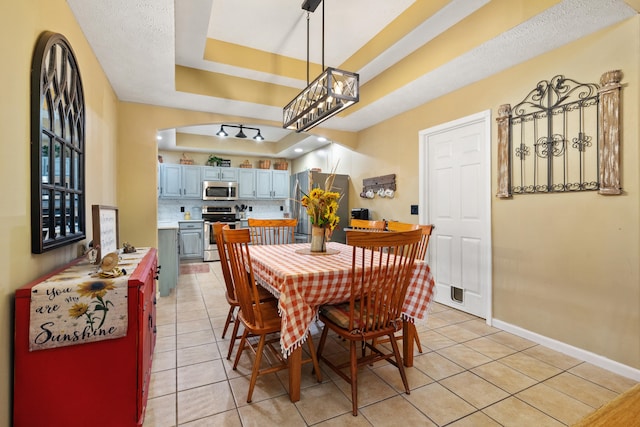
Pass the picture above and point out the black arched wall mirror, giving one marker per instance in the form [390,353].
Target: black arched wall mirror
[57,145]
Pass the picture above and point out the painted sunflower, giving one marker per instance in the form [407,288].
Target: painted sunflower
[78,310]
[96,289]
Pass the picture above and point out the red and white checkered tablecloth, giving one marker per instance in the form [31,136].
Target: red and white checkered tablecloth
[303,282]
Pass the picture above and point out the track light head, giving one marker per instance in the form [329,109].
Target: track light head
[221,132]
[259,136]
[241,134]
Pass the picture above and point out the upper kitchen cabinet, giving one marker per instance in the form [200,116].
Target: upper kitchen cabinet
[180,181]
[263,184]
[246,183]
[280,184]
[210,173]
[272,184]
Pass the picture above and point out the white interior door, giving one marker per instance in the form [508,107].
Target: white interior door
[455,187]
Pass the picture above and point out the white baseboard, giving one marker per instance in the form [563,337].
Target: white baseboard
[578,353]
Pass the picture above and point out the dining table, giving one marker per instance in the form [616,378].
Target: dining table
[303,281]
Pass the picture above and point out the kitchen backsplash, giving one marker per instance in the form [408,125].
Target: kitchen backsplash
[169,210]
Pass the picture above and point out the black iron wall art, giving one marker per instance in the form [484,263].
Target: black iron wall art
[57,145]
[563,137]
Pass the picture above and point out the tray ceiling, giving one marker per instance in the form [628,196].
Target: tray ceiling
[247,58]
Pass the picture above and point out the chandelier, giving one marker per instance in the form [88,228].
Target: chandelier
[331,92]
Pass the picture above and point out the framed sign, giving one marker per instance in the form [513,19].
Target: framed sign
[105,230]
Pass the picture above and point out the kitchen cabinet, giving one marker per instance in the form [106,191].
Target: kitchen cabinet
[210,173]
[246,183]
[168,262]
[191,182]
[272,184]
[101,383]
[170,180]
[280,184]
[180,181]
[263,184]
[191,239]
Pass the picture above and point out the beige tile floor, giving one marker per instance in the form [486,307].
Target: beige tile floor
[470,374]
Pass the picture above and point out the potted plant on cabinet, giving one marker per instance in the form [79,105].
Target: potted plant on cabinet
[214,160]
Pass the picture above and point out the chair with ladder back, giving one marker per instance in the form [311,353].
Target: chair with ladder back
[260,319]
[272,231]
[422,252]
[365,224]
[382,267]
[230,293]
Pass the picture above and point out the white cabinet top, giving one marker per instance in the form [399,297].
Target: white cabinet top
[167,225]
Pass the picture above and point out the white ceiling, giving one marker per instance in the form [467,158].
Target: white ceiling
[139,43]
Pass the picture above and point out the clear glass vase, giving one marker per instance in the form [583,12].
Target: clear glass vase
[318,239]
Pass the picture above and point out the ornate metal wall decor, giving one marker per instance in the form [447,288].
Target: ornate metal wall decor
[563,136]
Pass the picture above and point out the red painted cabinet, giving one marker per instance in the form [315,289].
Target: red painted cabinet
[103,383]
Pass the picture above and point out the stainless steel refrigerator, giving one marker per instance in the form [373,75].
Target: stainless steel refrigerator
[300,185]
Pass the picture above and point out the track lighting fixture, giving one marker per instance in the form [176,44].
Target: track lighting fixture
[222,133]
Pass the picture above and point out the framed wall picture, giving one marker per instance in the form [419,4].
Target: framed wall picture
[105,230]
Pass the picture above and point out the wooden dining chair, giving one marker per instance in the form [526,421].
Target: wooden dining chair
[259,318]
[272,231]
[401,226]
[382,266]
[422,252]
[426,234]
[424,243]
[230,293]
[364,224]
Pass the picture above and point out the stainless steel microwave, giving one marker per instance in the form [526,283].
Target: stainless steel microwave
[219,190]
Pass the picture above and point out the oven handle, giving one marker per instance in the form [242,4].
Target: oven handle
[210,242]
[208,231]
[207,234]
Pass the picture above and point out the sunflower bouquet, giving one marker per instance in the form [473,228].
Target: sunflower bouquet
[322,205]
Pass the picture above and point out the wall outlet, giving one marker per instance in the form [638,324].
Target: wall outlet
[181,208]
[250,208]
[281,208]
[414,209]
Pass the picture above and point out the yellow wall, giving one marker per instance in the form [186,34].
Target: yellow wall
[564,265]
[21,22]
[577,281]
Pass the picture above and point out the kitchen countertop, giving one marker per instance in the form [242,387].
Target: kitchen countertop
[166,225]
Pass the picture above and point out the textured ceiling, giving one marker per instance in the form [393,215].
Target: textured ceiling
[152,50]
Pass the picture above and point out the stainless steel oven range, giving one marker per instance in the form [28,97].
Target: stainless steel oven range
[211,214]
